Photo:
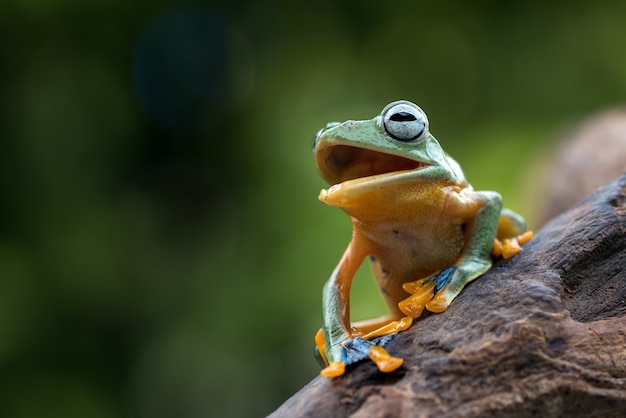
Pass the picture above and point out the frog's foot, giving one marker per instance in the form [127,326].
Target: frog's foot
[423,294]
[439,303]
[392,328]
[335,369]
[385,362]
[509,247]
[357,349]
[320,348]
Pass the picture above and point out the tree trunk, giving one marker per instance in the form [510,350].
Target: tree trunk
[542,334]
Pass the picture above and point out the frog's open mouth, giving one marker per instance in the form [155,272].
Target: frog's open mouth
[343,162]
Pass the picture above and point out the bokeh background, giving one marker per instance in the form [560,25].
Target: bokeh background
[162,251]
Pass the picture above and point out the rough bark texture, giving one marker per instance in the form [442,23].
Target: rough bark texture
[542,334]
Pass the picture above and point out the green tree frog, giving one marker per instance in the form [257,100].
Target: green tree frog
[425,230]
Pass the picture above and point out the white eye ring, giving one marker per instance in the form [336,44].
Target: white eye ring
[404,121]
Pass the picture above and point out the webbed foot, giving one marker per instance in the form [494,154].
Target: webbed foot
[334,369]
[320,348]
[355,350]
[509,247]
[385,362]
[423,294]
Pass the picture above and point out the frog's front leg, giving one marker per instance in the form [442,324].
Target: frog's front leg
[336,310]
[475,260]
[338,342]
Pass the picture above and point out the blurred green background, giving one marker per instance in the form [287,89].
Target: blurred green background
[162,251]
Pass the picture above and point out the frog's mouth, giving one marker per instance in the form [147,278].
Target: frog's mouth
[340,163]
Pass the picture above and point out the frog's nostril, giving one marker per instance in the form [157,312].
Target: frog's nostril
[319,133]
[315,138]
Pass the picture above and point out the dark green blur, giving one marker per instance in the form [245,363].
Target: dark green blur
[162,251]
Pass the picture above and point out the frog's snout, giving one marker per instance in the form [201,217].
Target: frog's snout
[320,132]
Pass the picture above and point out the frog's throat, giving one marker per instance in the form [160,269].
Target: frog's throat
[349,192]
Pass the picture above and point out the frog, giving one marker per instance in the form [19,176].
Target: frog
[426,232]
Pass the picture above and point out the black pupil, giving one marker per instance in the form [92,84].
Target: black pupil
[403,117]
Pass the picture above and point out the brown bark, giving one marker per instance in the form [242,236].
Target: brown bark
[542,334]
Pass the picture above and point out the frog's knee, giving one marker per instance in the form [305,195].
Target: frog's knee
[510,224]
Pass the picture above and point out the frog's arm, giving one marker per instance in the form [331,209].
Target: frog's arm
[475,261]
[336,342]
[336,306]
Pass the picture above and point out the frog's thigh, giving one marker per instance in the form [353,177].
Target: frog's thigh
[510,225]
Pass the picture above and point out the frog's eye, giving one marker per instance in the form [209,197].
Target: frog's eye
[404,121]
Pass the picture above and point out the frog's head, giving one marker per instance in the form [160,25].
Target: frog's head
[392,143]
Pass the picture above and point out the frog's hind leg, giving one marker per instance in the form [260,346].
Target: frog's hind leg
[510,224]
